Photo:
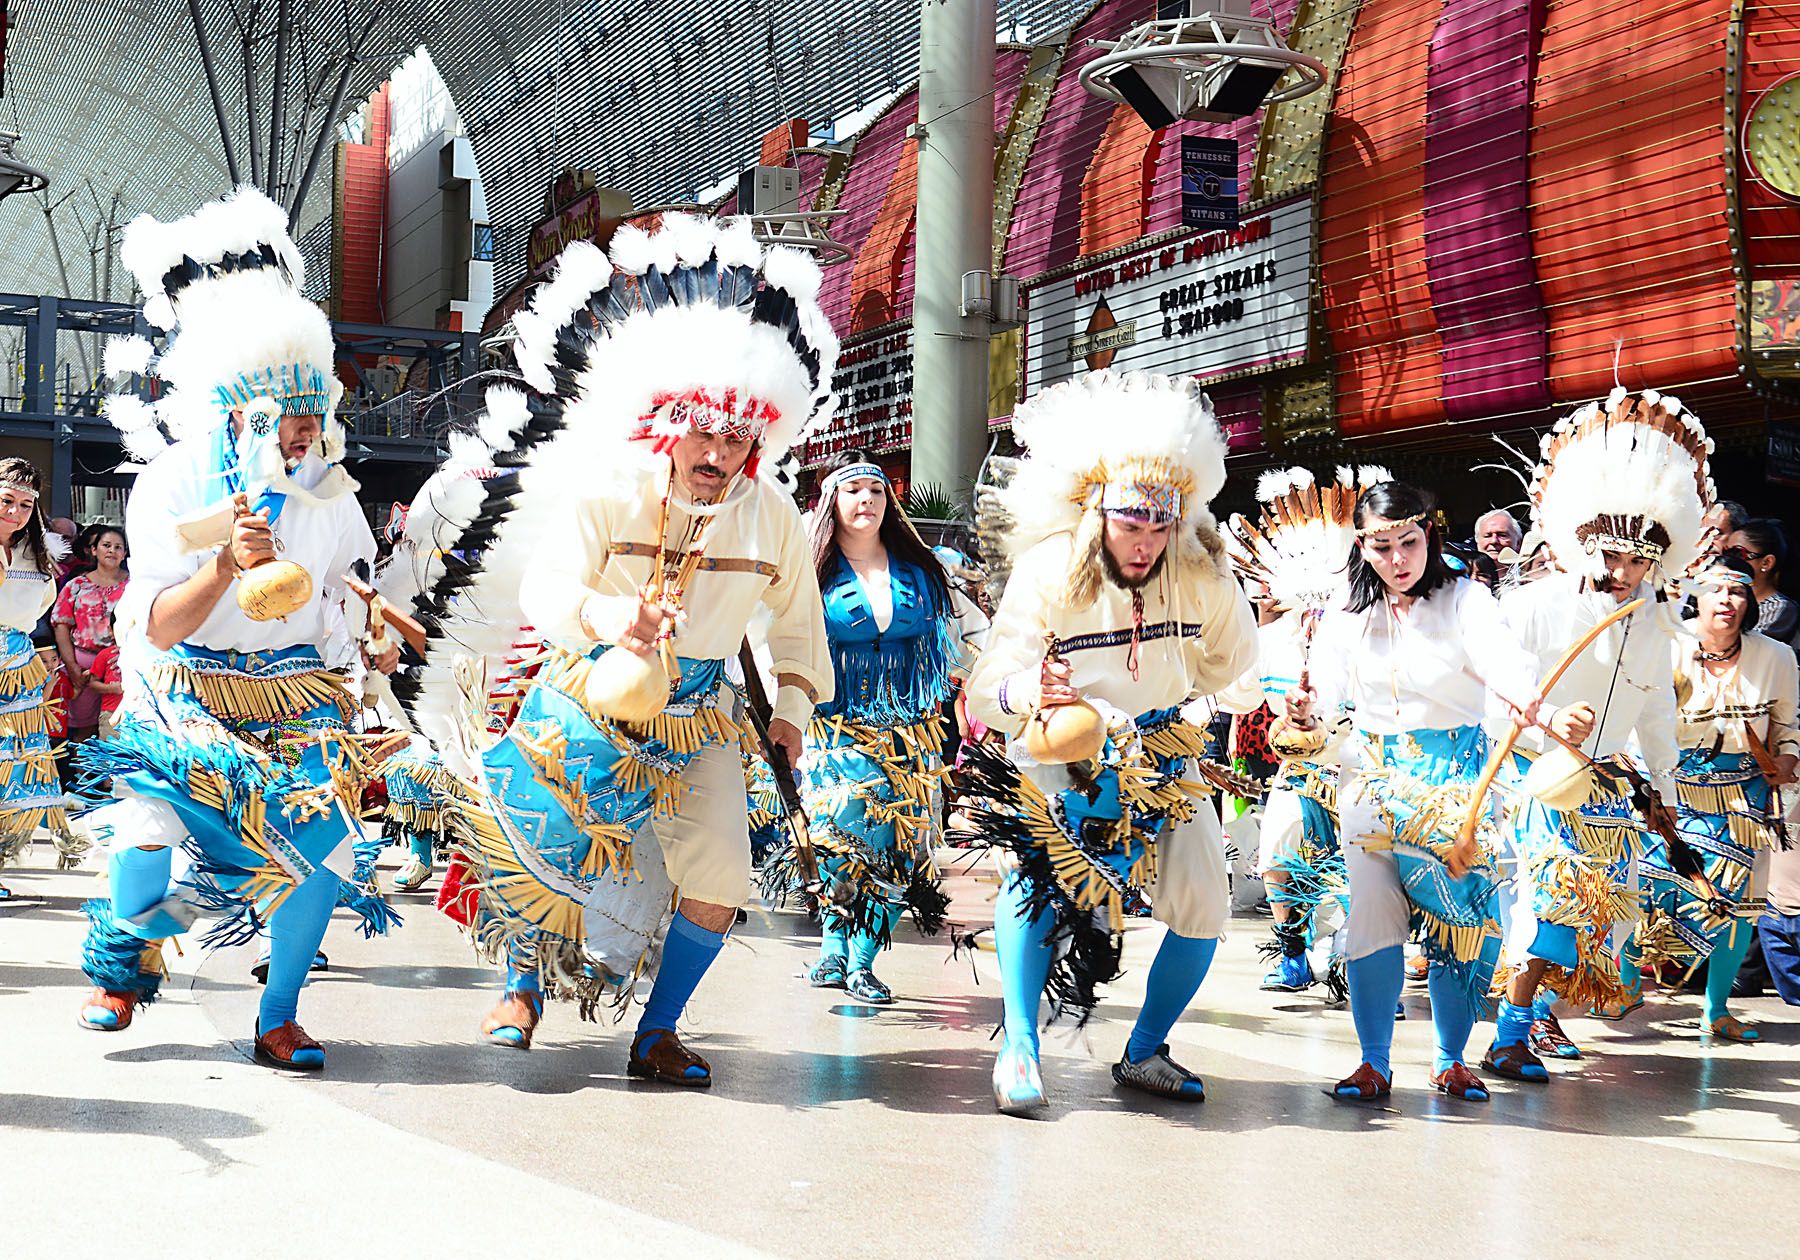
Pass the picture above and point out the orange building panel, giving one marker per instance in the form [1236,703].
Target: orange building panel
[1628,209]
[1387,358]
[1771,53]
[1115,192]
[875,278]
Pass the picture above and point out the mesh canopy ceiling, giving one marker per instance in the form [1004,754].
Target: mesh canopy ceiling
[662,97]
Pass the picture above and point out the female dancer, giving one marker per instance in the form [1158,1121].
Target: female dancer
[83,621]
[1736,730]
[30,794]
[1413,656]
[874,754]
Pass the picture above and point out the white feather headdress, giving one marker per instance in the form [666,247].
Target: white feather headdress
[690,320]
[1627,474]
[1300,544]
[1112,437]
[225,283]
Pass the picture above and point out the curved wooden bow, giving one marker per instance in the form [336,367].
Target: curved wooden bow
[1463,850]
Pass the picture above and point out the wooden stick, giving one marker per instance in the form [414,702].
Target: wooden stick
[1462,854]
[411,632]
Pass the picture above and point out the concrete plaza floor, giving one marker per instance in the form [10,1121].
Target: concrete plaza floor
[840,1130]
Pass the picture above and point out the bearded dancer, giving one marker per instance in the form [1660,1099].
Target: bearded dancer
[1117,563]
[1619,493]
[900,637]
[1411,659]
[238,789]
[637,524]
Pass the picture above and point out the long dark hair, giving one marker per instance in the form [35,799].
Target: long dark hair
[897,535]
[24,473]
[1395,501]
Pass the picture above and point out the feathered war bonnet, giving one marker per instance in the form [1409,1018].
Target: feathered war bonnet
[688,326]
[1626,474]
[1300,542]
[1133,443]
[225,282]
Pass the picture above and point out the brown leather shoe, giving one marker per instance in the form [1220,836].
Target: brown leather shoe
[1516,1062]
[287,1048]
[1458,1082]
[1363,1085]
[512,1023]
[1548,1038]
[101,1004]
[665,1059]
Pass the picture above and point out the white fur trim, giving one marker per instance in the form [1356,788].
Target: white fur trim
[238,222]
[789,269]
[145,444]
[1074,427]
[127,356]
[581,271]
[506,415]
[129,413]
[691,238]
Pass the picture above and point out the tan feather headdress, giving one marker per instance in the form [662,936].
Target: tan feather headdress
[1298,546]
[1626,474]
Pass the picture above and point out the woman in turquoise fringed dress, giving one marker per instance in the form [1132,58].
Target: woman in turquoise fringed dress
[30,795]
[874,754]
[1735,727]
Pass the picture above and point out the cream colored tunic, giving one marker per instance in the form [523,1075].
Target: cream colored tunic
[1196,639]
[1623,674]
[1758,695]
[753,552]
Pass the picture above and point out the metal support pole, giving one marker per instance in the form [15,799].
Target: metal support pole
[955,234]
[327,130]
[256,165]
[212,86]
[277,97]
[40,359]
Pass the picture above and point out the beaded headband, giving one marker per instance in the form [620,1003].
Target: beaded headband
[703,411]
[1719,575]
[850,472]
[1152,500]
[300,388]
[1369,531]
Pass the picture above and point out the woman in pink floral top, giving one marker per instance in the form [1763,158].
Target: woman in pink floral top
[83,621]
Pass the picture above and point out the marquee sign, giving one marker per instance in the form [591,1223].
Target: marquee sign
[873,382]
[1221,304]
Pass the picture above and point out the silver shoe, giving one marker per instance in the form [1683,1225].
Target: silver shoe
[865,986]
[1018,1085]
[1160,1075]
[413,875]
[827,973]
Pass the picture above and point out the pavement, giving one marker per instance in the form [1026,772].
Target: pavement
[839,1129]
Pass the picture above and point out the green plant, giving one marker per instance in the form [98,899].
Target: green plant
[928,501]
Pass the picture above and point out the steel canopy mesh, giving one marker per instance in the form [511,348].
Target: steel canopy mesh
[662,97]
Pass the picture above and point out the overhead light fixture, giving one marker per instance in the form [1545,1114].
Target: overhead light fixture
[15,176]
[1206,60]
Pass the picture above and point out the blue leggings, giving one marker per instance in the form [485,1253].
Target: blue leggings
[858,948]
[1023,945]
[295,932]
